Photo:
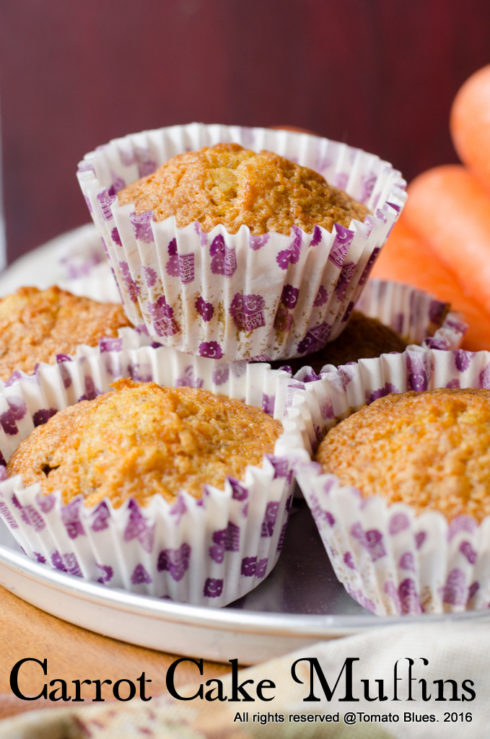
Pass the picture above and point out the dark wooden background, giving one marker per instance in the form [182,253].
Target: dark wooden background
[379,74]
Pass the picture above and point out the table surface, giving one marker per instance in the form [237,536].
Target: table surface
[73,654]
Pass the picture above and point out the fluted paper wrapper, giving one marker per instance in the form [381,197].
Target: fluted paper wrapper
[389,559]
[209,551]
[239,296]
[98,284]
[127,337]
[418,317]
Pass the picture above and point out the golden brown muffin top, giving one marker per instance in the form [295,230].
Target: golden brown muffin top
[363,337]
[430,450]
[141,439]
[229,185]
[36,325]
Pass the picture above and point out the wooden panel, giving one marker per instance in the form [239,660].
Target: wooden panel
[378,74]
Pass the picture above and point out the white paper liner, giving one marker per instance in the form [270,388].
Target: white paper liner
[209,551]
[98,283]
[417,316]
[237,295]
[389,559]
[127,337]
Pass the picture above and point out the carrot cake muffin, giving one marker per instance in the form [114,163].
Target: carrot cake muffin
[229,185]
[362,338]
[430,450]
[36,325]
[239,253]
[141,439]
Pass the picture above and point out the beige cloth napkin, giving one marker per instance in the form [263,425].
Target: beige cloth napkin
[454,652]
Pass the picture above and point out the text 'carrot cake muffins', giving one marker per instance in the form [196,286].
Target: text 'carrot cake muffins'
[240,242]
[400,489]
[175,482]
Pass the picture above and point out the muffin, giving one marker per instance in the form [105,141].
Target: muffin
[236,246]
[39,325]
[361,338]
[399,487]
[388,317]
[141,440]
[430,450]
[231,186]
[176,483]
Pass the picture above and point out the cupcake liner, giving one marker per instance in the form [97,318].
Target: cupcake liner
[84,268]
[207,551]
[389,559]
[127,338]
[418,317]
[79,253]
[97,283]
[238,295]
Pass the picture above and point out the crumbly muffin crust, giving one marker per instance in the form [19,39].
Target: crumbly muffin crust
[36,325]
[363,337]
[229,185]
[142,439]
[430,450]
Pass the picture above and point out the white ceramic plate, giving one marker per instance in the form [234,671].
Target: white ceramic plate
[300,603]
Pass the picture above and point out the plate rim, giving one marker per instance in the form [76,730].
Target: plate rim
[250,621]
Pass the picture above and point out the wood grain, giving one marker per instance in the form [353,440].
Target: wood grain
[73,654]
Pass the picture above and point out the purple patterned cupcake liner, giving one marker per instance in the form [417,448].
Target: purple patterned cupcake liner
[418,317]
[389,559]
[127,338]
[207,551]
[96,282]
[236,295]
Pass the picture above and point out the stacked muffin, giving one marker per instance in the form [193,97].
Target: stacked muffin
[179,492]
[231,249]
[228,251]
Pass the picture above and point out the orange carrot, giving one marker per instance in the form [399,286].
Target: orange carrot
[407,258]
[297,129]
[449,208]
[470,124]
